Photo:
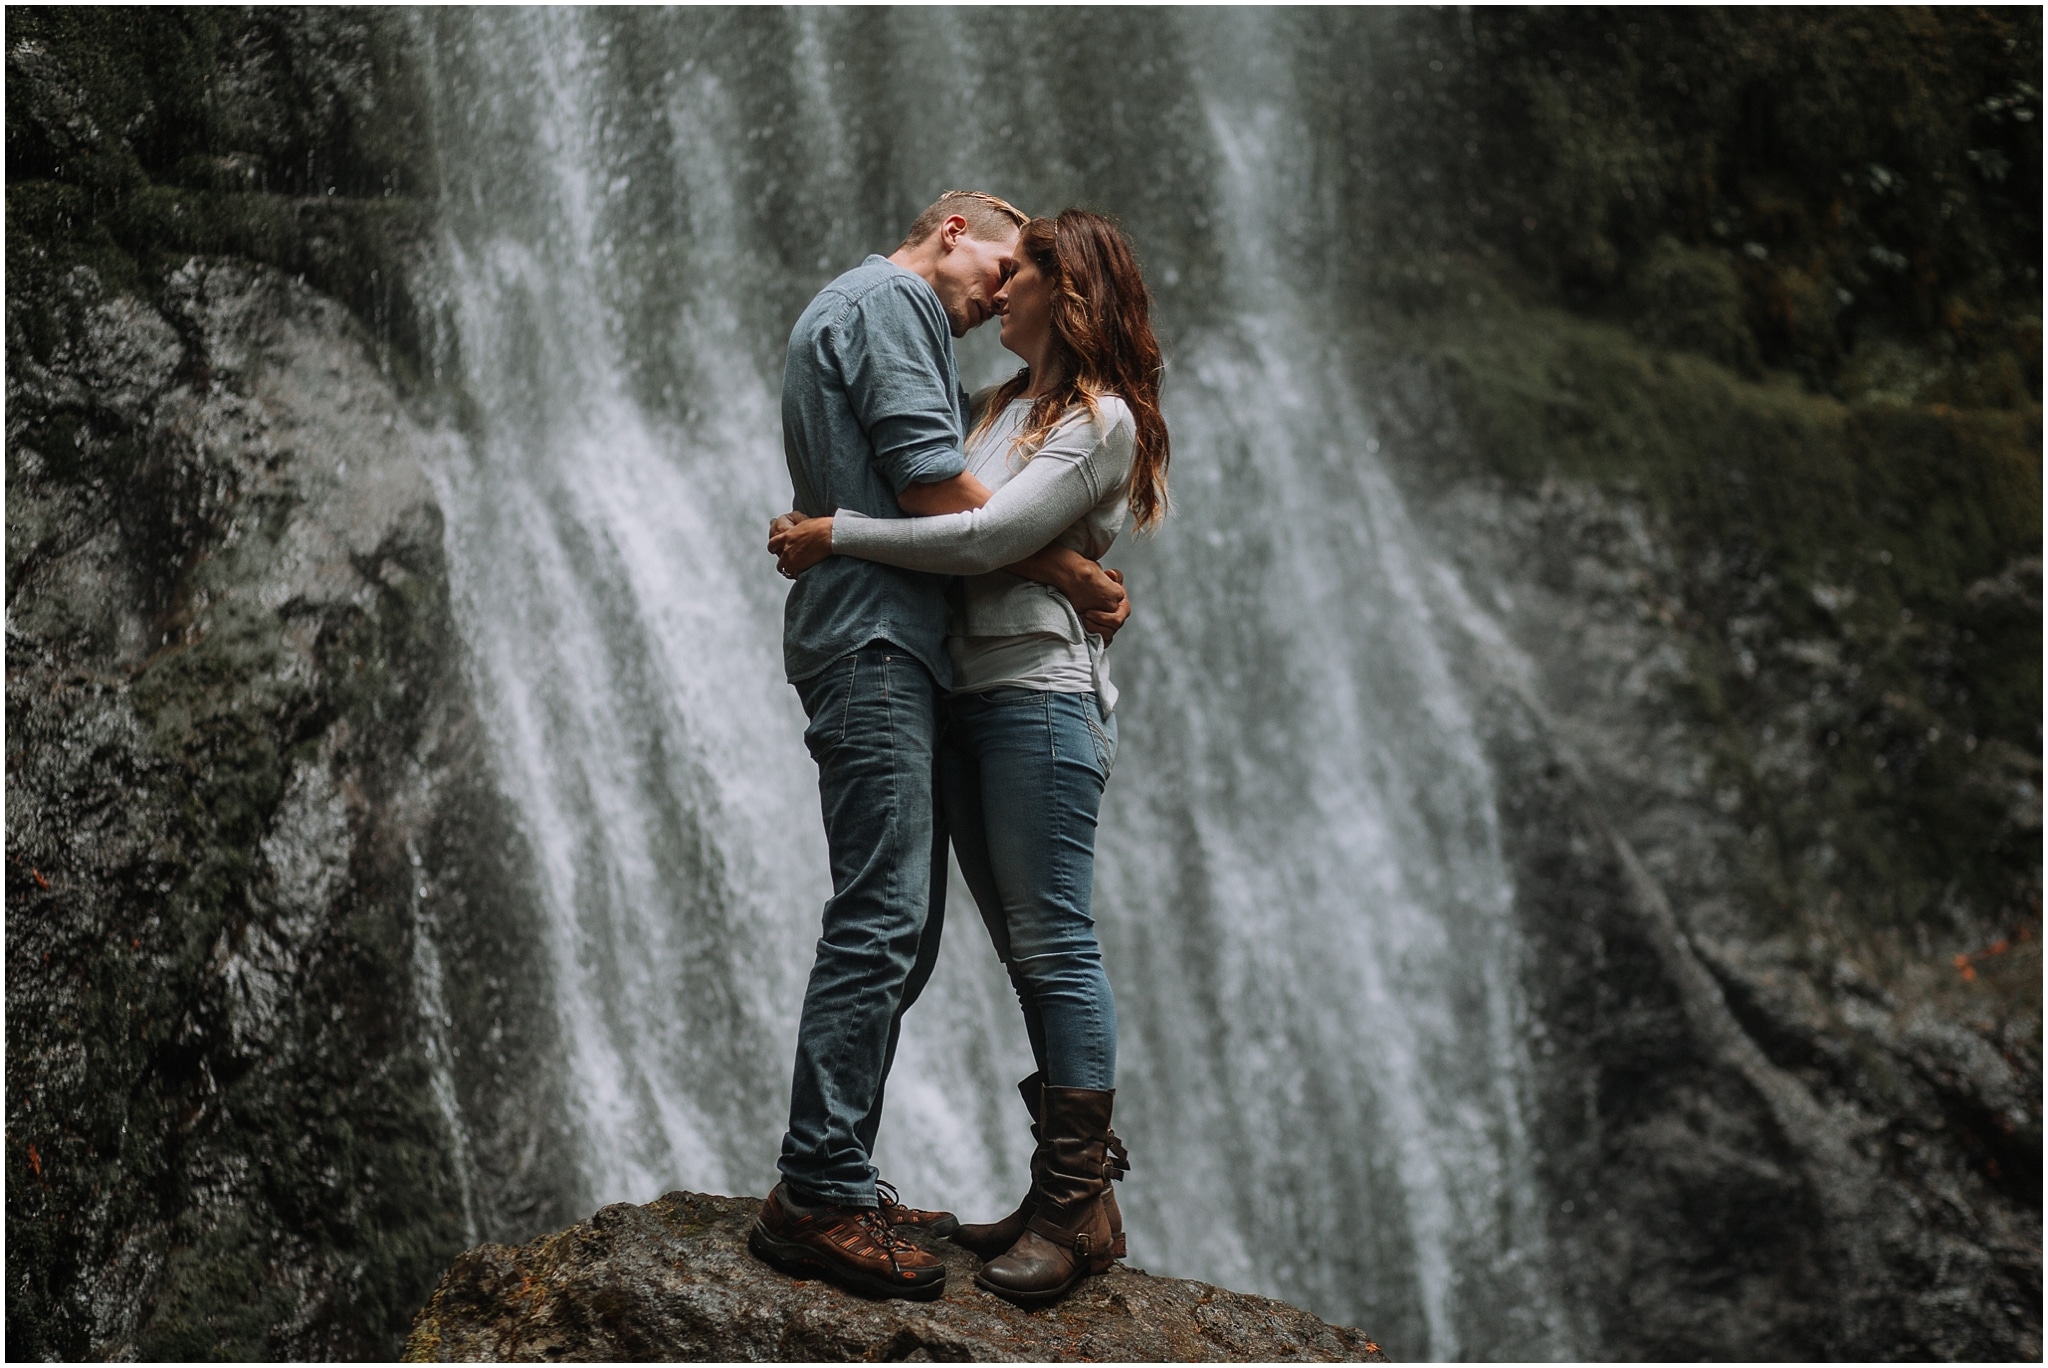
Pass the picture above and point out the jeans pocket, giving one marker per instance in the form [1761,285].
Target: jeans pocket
[1103,729]
[828,698]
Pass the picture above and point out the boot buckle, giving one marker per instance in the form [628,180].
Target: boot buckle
[1082,1241]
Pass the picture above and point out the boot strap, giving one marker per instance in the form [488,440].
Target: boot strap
[1117,1159]
[1080,1241]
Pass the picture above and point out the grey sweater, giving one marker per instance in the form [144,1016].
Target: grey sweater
[1073,490]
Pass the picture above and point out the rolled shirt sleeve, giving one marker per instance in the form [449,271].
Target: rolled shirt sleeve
[890,347]
[870,354]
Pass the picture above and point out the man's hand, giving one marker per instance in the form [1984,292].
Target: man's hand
[1107,624]
[1097,594]
[798,542]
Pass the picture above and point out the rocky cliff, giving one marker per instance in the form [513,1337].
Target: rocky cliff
[248,823]
[673,1280]
[259,884]
[1726,368]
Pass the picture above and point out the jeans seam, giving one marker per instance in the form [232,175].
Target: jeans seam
[892,818]
[1052,743]
[846,698]
[1063,837]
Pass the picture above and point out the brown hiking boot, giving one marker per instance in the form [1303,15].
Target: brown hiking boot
[912,1219]
[992,1238]
[1069,1235]
[988,1239]
[850,1246]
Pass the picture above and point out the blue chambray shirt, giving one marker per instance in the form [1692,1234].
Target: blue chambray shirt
[871,404]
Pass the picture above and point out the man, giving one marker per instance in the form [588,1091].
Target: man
[873,417]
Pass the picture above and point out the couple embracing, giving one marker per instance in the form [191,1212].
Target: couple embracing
[947,632]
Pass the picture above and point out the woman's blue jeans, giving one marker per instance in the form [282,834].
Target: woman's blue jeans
[1021,778]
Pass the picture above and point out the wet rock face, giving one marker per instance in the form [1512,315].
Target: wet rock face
[1768,1126]
[674,1280]
[247,822]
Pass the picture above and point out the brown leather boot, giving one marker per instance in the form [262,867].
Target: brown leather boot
[987,1240]
[1068,1235]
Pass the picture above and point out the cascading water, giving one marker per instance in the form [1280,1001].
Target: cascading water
[1304,903]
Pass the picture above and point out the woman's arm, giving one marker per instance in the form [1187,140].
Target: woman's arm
[797,551]
[1013,532]
[798,543]
[1040,501]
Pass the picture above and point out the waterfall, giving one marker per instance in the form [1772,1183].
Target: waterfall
[1306,912]
[435,1033]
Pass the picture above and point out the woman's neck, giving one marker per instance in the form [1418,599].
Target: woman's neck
[1044,378]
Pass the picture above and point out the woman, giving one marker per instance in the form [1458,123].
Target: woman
[1068,445]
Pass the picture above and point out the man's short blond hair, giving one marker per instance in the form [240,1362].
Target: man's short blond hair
[988,218]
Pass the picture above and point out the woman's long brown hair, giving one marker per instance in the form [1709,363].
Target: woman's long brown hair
[1102,343]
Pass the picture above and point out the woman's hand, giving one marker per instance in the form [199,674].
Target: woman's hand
[798,542]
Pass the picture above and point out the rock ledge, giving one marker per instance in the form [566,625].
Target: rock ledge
[673,1280]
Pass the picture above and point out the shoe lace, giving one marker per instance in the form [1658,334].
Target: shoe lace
[885,1193]
[885,1236]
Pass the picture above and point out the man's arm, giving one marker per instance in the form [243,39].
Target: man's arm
[892,349]
[955,494]
[1097,594]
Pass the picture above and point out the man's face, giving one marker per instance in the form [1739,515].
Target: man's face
[969,273]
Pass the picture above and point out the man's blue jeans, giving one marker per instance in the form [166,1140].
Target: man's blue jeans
[1021,774]
[874,733]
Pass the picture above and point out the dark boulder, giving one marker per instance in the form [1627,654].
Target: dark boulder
[673,1280]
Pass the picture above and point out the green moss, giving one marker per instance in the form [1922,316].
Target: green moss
[137,138]
[1855,571]
[1804,189]
[213,1302]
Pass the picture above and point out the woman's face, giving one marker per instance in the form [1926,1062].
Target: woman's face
[1025,303]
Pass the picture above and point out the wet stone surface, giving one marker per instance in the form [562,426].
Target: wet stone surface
[243,775]
[673,1280]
